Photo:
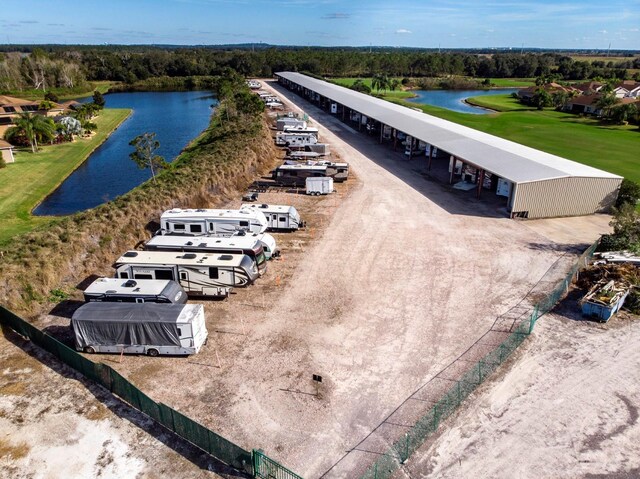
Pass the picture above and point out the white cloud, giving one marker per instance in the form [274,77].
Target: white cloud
[604,32]
[403,31]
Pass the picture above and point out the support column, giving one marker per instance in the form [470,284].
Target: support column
[452,161]
[394,132]
[343,110]
[480,182]
[430,157]
[381,131]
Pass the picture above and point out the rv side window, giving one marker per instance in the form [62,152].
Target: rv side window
[124,275]
[282,219]
[178,226]
[244,223]
[210,226]
[164,274]
[179,332]
[213,272]
[195,228]
[142,276]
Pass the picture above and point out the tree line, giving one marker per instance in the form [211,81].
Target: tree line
[68,67]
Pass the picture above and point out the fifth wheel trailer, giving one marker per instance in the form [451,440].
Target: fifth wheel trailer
[199,274]
[211,222]
[135,291]
[132,328]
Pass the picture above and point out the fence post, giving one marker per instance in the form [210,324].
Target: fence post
[406,448]
[534,318]
[459,394]
[480,371]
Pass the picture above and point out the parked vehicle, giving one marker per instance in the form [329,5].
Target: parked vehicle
[339,171]
[298,129]
[281,123]
[198,273]
[295,175]
[245,244]
[319,186]
[211,222]
[321,149]
[131,328]
[279,217]
[287,139]
[135,291]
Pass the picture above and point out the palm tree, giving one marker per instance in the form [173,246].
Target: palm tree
[559,99]
[541,98]
[623,113]
[380,82]
[606,102]
[32,127]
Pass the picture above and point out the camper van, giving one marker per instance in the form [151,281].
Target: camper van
[135,291]
[211,222]
[131,328]
[246,244]
[284,138]
[280,217]
[198,273]
[295,175]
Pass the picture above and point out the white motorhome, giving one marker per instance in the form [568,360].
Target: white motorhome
[131,328]
[280,217]
[284,138]
[135,291]
[319,186]
[307,129]
[200,274]
[245,244]
[211,222]
[254,84]
[295,175]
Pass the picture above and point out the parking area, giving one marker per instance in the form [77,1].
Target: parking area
[394,277]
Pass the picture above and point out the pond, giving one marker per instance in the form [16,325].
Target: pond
[175,117]
[454,99]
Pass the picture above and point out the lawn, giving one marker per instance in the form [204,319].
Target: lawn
[512,82]
[609,147]
[32,177]
[500,102]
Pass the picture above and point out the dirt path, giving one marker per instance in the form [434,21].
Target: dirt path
[567,408]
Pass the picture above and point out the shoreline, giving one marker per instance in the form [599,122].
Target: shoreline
[78,165]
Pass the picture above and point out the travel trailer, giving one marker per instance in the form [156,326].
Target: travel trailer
[280,217]
[338,171]
[245,244]
[152,329]
[203,274]
[295,175]
[281,123]
[284,138]
[211,222]
[296,129]
[319,186]
[135,291]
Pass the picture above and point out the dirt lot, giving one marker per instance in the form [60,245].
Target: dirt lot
[567,407]
[395,277]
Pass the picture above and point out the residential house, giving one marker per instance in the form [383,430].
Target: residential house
[11,107]
[589,87]
[6,151]
[526,94]
[627,89]
[584,104]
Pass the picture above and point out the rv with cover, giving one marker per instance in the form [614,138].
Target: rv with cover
[135,291]
[152,329]
[199,274]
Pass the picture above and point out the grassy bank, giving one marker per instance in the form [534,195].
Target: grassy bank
[609,147]
[32,177]
[222,161]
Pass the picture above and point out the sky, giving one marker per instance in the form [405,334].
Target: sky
[590,24]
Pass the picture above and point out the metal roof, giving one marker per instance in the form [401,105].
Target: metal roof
[507,159]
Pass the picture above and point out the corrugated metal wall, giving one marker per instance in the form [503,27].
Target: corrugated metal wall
[572,196]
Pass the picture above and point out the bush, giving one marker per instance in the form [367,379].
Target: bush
[629,193]
[3,163]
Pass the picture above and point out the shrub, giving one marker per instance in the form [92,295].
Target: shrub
[3,163]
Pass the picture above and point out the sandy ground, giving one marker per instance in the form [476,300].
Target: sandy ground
[54,424]
[394,279]
[567,407]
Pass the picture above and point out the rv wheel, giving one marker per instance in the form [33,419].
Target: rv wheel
[89,350]
[152,352]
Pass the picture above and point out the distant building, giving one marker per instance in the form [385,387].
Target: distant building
[6,151]
[627,89]
[526,94]
[11,107]
[589,88]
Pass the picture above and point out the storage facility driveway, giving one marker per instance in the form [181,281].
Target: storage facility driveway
[404,278]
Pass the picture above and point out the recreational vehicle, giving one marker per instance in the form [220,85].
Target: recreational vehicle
[281,123]
[131,328]
[321,149]
[211,222]
[280,217]
[246,244]
[198,273]
[295,175]
[338,171]
[135,291]
[284,138]
[296,129]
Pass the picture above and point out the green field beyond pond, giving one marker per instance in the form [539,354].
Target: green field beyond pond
[32,177]
[610,147]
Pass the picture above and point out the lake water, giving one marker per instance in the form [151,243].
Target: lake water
[175,117]
[454,99]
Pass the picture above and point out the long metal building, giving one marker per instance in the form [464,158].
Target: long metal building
[534,184]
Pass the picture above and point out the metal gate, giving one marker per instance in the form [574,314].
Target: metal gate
[266,468]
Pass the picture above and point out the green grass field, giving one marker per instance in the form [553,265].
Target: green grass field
[512,82]
[613,148]
[32,177]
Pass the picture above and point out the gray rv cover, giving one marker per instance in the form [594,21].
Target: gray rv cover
[110,324]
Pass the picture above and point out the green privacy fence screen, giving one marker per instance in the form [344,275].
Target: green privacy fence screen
[387,463]
[207,440]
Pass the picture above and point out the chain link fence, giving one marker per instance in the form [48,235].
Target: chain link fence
[389,462]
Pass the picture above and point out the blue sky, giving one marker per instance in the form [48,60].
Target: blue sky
[449,24]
